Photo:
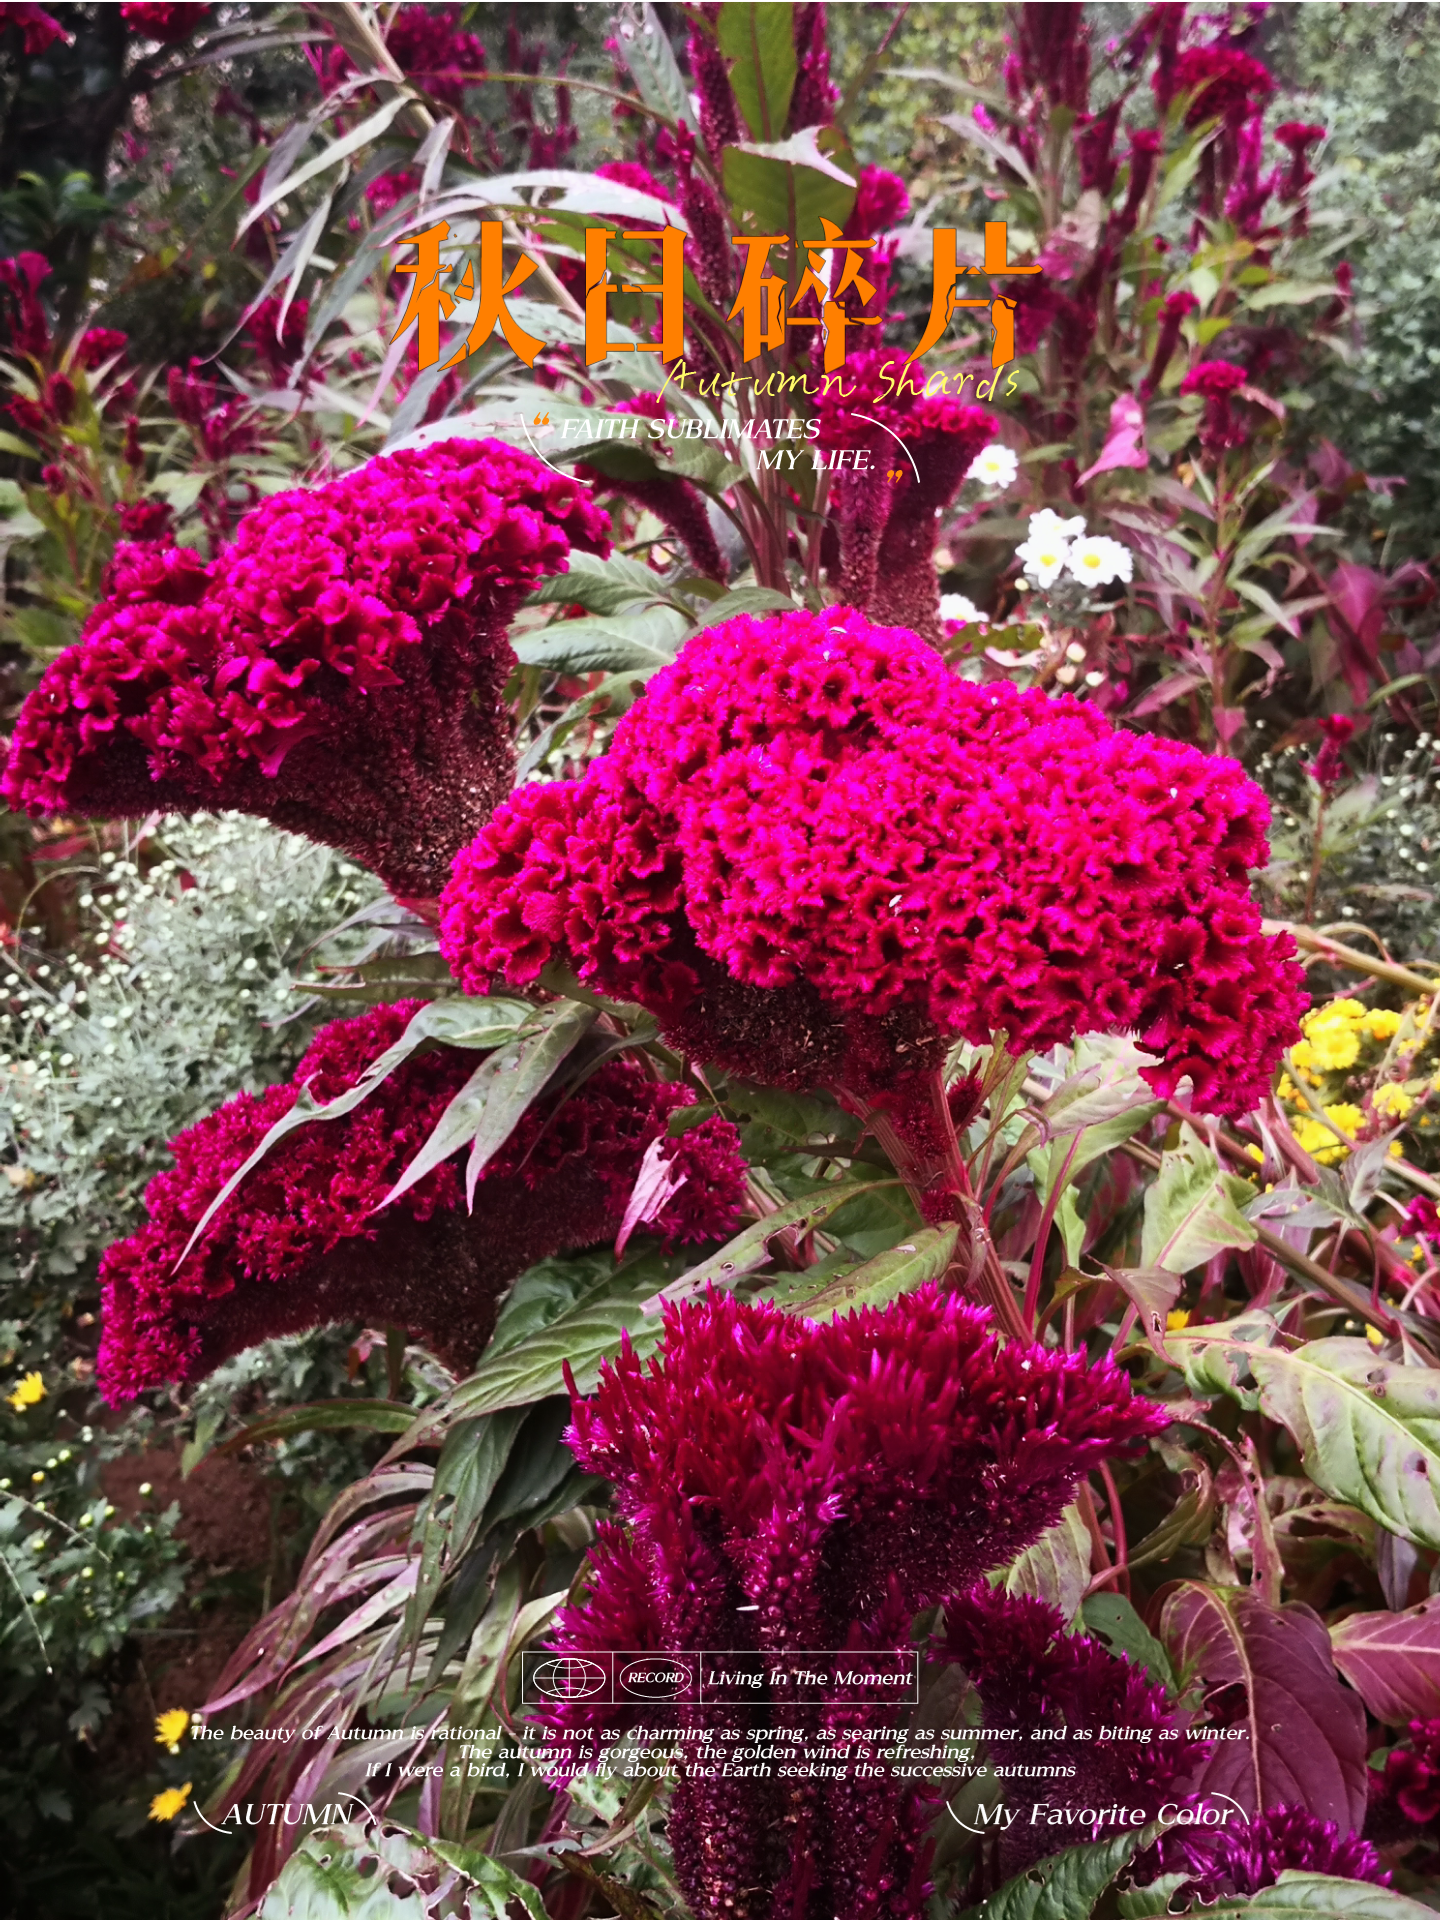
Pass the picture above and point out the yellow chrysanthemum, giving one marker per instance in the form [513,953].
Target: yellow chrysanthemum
[1177,1317]
[1334,1048]
[1374,1336]
[1255,1153]
[1303,1054]
[1382,1024]
[29,1393]
[1392,1100]
[1342,1011]
[166,1805]
[1319,1141]
[172,1726]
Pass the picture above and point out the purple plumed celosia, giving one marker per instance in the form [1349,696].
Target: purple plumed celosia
[1229,1862]
[813,99]
[888,527]
[790,1486]
[818,857]
[719,117]
[300,1243]
[1031,1674]
[338,670]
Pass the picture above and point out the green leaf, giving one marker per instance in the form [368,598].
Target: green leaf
[759,41]
[471,1461]
[1193,1209]
[487,1109]
[332,1876]
[11,443]
[534,1368]
[882,1279]
[1295,1896]
[322,1416]
[1056,1568]
[1113,1619]
[457,1023]
[783,199]
[644,640]
[749,1250]
[1065,1887]
[645,48]
[338,150]
[745,600]
[1290,293]
[1368,1432]
[600,586]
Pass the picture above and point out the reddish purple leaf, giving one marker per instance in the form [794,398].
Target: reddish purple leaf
[1125,444]
[1268,1677]
[1393,1661]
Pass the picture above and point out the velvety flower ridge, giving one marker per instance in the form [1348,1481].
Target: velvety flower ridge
[1031,1673]
[338,670]
[814,853]
[300,1242]
[789,1485]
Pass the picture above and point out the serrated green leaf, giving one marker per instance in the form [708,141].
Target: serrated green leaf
[1065,1887]
[1193,1209]
[643,640]
[600,586]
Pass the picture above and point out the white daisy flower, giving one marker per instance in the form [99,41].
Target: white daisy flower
[1043,557]
[954,606]
[1098,560]
[1049,523]
[995,467]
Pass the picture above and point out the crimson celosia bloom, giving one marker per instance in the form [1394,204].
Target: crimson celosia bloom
[338,670]
[888,528]
[793,1486]
[1246,1858]
[1406,1796]
[37,27]
[1031,1673]
[817,856]
[300,1242]
[1216,381]
[164,20]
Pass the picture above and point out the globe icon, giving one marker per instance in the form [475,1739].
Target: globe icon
[569,1678]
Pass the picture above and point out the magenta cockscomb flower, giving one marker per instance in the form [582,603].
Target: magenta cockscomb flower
[818,856]
[1031,1673]
[888,527]
[1242,1860]
[1217,382]
[163,20]
[338,670]
[1405,1798]
[787,1485]
[300,1242]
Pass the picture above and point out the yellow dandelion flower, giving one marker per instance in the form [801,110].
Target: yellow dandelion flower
[1392,1100]
[166,1805]
[29,1393]
[172,1726]
[1177,1317]
[1382,1024]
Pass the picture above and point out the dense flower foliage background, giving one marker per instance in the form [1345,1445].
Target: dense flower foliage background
[691,1006]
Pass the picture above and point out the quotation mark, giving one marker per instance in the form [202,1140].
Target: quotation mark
[895,473]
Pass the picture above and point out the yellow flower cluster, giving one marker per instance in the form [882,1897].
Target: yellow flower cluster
[1364,1083]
